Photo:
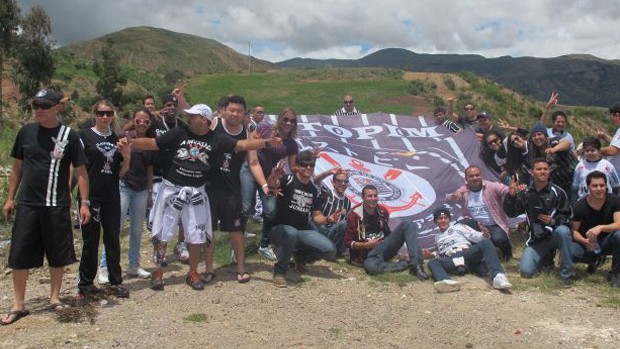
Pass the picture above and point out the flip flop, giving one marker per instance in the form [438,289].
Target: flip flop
[57,307]
[207,277]
[14,315]
[242,278]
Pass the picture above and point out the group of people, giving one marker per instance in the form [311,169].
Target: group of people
[210,171]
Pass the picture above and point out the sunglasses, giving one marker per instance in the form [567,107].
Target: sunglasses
[36,106]
[493,141]
[347,102]
[289,120]
[515,141]
[305,164]
[143,122]
[102,113]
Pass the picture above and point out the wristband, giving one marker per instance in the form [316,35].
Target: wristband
[264,186]
[85,202]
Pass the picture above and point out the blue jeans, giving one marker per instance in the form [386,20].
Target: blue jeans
[562,240]
[500,240]
[479,253]
[378,258]
[308,245]
[610,245]
[136,202]
[334,232]
[248,197]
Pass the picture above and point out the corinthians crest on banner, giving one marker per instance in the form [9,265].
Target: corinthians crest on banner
[412,162]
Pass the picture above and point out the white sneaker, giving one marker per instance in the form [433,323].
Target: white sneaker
[233,258]
[138,273]
[181,251]
[268,253]
[500,282]
[102,276]
[447,285]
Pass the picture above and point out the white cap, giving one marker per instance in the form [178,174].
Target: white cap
[200,109]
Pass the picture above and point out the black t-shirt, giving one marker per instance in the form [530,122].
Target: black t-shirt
[194,155]
[47,154]
[373,228]
[103,165]
[297,202]
[590,218]
[135,178]
[162,159]
[225,172]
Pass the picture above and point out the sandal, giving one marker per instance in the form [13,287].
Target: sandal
[57,307]
[194,281]
[13,316]
[207,277]
[242,278]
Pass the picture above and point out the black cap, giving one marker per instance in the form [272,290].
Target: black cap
[441,210]
[171,98]
[483,114]
[615,108]
[47,97]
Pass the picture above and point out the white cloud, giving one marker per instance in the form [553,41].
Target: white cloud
[282,29]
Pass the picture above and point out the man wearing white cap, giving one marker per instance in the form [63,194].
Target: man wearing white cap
[182,195]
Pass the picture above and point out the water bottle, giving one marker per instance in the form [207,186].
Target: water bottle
[597,248]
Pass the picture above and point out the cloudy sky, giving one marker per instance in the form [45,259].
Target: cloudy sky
[283,29]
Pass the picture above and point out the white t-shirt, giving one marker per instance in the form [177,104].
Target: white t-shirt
[584,167]
[478,210]
[615,142]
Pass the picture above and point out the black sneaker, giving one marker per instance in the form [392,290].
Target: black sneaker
[592,267]
[118,291]
[567,282]
[87,290]
[418,270]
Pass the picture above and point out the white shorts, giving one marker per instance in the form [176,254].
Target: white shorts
[190,205]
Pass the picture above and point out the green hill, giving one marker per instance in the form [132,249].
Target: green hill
[161,51]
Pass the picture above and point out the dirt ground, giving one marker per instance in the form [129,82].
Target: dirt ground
[335,305]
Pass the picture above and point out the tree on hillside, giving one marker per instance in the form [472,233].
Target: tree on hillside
[35,64]
[9,23]
[111,77]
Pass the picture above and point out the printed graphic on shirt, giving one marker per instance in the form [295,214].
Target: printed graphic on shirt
[59,148]
[301,201]
[108,150]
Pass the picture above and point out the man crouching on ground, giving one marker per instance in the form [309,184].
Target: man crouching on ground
[292,233]
[372,243]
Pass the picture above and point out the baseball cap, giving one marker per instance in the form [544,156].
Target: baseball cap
[483,114]
[170,98]
[200,109]
[48,97]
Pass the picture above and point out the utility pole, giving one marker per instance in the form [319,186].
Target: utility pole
[249,57]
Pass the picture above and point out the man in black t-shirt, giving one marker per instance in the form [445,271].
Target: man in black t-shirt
[297,201]
[182,197]
[595,225]
[43,152]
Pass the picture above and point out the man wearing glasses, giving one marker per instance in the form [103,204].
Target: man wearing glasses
[470,119]
[333,200]
[613,149]
[297,201]
[348,107]
[43,152]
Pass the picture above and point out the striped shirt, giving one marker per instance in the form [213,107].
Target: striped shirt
[331,203]
[342,111]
